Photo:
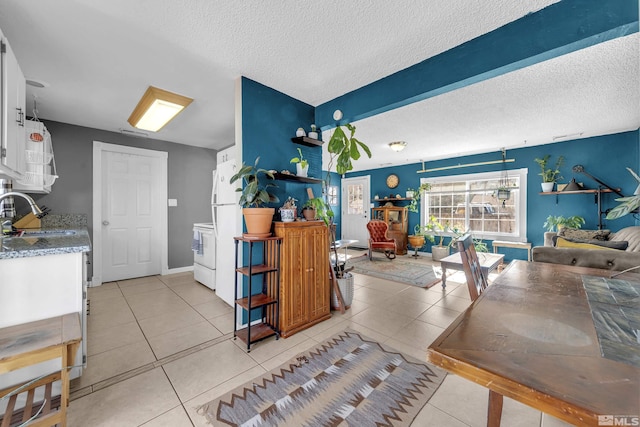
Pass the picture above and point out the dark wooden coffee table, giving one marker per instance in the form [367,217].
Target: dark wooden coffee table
[488,263]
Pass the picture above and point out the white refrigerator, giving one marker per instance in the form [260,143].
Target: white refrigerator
[227,221]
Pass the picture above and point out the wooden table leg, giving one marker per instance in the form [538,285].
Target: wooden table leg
[494,414]
[444,277]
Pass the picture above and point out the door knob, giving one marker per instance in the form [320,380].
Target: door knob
[105,222]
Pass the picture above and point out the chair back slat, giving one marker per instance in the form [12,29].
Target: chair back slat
[476,280]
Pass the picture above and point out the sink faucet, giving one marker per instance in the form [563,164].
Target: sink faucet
[34,208]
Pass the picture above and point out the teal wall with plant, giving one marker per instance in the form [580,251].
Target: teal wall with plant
[269,121]
[604,157]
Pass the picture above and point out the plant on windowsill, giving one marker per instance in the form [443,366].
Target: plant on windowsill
[555,223]
[414,204]
[255,194]
[549,175]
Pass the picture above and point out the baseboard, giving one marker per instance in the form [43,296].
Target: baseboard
[180,269]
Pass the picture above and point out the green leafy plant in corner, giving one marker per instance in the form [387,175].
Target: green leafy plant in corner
[554,222]
[549,174]
[254,193]
[627,204]
[415,200]
[303,162]
[343,151]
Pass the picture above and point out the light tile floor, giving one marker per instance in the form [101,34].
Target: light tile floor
[160,346]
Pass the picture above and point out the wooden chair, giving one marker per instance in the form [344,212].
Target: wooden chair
[476,281]
[378,239]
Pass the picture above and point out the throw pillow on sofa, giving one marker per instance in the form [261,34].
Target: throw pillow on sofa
[562,242]
[576,233]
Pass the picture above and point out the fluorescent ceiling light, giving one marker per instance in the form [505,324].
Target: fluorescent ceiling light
[156,108]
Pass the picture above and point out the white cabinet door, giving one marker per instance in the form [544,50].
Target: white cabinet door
[13,114]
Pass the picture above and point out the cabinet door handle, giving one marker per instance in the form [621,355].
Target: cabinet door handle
[105,222]
[20,117]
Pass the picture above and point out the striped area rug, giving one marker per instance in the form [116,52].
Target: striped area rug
[349,380]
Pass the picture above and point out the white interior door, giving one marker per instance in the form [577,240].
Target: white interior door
[131,226]
[355,208]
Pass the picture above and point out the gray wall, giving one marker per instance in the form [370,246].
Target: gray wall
[189,176]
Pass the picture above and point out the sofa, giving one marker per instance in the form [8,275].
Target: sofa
[591,248]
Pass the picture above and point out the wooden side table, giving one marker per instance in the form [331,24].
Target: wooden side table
[35,342]
[518,245]
[488,263]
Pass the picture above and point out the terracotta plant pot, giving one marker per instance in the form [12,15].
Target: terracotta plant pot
[258,221]
[309,214]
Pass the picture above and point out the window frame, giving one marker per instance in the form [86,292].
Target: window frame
[334,196]
[520,202]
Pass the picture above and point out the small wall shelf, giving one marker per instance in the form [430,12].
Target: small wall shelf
[285,177]
[393,199]
[596,192]
[305,140]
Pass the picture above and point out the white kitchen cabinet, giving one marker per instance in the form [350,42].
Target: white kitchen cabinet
[12,113]
[39,170]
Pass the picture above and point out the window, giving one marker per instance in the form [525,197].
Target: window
[468,202]
[332,195]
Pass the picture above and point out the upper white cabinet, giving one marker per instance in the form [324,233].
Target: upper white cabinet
[12,113]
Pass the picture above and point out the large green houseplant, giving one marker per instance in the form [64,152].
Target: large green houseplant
[255,194]
[344,148]
[627,204]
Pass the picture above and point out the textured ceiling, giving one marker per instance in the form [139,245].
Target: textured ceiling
[99,56]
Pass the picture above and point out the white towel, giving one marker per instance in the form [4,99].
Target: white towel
[196,244]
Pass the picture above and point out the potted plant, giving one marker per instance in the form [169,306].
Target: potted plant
[302,165]
[255,194]
[627,204]
[289,210]
[343,150]
[413,205]
[418,239]
[557,222]
[549,175]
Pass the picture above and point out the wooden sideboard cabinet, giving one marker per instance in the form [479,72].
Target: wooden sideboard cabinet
[304,275]
[396,218]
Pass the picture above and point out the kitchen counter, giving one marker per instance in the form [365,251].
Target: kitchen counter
[47,241]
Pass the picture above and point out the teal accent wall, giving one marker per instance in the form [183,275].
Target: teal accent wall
[269,121]
[604,157]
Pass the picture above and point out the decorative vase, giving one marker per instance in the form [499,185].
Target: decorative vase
[346,286]
[439,252]
[258,221]
[300,132]
[547,187]
[287,215]
[300,171]
[416,242]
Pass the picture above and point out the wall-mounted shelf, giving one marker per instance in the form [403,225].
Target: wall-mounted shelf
[305,140]
[393,199]
[596,192]
[591,191]
[284,177]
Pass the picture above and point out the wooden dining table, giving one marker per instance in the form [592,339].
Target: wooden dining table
[561,339]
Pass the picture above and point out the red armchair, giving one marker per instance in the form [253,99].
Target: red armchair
[378,239]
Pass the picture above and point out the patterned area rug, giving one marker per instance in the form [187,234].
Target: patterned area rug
[349,380]
[399,270]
